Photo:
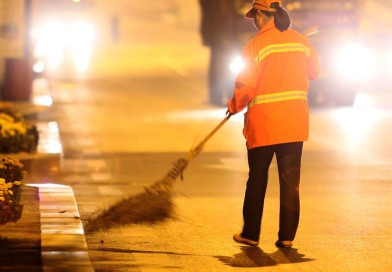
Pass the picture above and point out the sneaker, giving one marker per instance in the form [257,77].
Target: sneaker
[285,244]
[239,239]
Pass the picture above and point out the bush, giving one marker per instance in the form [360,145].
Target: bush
[15,134]
[8,109]
[11,176]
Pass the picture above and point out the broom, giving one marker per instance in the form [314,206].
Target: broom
[153,205]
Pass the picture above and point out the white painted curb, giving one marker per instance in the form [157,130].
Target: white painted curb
[63,244]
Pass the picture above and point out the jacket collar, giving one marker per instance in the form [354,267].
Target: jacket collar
[270,25]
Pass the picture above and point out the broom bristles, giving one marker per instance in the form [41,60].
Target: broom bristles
[153,205]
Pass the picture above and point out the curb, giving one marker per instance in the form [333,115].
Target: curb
[63,244]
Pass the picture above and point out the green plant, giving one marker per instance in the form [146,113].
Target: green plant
[8,109]
[16,135]
[11,176]
[11,170]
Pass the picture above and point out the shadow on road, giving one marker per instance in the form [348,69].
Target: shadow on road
[119,250]
[256,257]
[20,255]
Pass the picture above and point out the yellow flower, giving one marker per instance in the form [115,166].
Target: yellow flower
[17,182]
[6,118]
[2,198]
[2,181]
[11,192]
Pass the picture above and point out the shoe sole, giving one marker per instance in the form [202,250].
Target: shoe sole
[282,245]
[244,241]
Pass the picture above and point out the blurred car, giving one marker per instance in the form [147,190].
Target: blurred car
[63,37]
[347,62]
[59,42]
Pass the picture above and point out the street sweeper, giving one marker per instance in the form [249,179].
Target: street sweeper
[274,86]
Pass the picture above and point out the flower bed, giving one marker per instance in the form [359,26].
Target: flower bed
[11,176]
[16,135]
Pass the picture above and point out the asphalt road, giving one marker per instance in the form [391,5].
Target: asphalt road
[121,135]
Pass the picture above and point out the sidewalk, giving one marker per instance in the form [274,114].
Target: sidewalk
[20,243]
[49,235]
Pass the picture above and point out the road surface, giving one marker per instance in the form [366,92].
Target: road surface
[145,104]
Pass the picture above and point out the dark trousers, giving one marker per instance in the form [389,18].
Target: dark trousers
[288,157]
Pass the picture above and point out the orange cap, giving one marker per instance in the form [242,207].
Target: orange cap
[262,5]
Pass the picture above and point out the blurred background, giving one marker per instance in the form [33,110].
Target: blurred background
[182,55]
[89,39]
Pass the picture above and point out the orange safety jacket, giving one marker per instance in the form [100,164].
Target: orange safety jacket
[274,85]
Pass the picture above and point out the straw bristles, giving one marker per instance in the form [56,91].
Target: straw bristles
[153,205]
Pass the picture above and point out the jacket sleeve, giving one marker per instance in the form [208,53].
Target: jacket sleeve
[242,96]
[245,83]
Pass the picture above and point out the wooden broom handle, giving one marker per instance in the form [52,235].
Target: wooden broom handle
[196,150]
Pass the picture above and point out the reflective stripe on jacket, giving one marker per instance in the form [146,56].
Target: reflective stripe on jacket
[277,97]
[274,86]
